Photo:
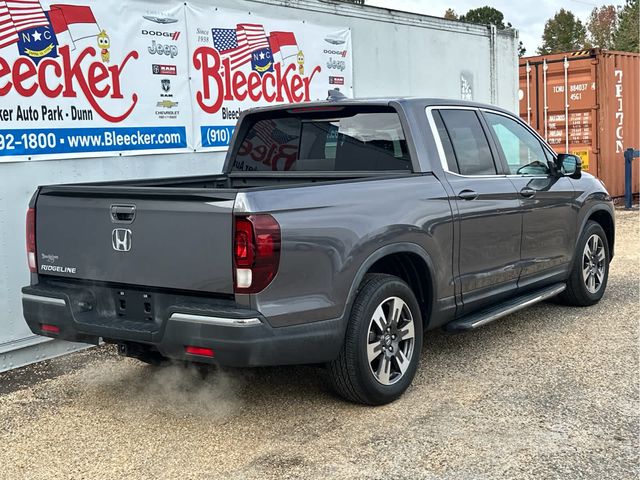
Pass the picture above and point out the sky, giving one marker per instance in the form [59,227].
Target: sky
[528,16]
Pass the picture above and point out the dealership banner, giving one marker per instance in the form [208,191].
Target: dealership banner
[242,60]
[88,78]
[92,79]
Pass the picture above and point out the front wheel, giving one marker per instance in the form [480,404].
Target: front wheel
[588,279]
[382,345]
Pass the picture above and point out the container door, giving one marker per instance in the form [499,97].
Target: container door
[549,219]
[569,107]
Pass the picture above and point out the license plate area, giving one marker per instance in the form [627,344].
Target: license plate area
[134,305]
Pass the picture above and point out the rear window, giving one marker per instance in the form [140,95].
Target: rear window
[339,139]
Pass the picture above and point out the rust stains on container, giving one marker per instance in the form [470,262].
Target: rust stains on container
[586,103]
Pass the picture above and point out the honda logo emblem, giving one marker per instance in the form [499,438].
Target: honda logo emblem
[121,239]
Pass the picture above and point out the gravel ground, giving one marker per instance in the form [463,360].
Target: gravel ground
[549,392]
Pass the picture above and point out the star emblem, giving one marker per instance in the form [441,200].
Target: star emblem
[37,36]
[262,55]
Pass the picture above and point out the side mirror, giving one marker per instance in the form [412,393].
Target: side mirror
[569,165]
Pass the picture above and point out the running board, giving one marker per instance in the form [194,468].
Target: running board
[478,319]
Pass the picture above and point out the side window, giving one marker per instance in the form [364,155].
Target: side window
[452,164]
[521,149]
[470,145]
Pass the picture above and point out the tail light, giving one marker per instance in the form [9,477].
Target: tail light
[31,239]
[256,252]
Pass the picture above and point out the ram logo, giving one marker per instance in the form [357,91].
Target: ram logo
[121,239]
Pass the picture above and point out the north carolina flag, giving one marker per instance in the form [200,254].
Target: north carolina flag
[283,44]
[72,22]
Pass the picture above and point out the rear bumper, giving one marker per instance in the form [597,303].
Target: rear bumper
[238,337]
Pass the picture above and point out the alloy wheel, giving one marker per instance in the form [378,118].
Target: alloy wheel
[593,263]
[390,340]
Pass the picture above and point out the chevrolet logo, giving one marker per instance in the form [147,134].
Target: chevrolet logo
[167,104]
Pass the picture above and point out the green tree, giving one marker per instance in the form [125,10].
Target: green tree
[451,14]
[564,32]
[626,36]
[485,16]
[601,26]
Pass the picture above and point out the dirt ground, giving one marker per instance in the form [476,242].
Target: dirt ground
[549,392]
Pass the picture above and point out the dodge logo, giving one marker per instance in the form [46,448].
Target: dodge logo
[121,239]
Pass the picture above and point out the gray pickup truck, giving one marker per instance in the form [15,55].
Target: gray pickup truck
[336,235]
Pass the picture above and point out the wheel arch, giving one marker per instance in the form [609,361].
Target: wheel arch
[604,218]
[408,261]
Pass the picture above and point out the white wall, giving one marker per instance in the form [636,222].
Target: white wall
[405,54]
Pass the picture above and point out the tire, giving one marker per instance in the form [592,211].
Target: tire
[585,289]
[395,352]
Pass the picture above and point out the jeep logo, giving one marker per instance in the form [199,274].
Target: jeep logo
[159,49]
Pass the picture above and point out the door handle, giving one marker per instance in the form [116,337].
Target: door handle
[123,213]
[468,195]
[527,192]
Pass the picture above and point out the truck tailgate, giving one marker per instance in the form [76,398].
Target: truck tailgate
[137,236]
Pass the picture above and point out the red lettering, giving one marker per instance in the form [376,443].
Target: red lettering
[255,83]
[297,84]
[4,70]
[20,76]
[307,82]
[227,79]
[74,71]
[71,74]
[221,83]
[239,81]
[98,73]
[42,77]
[115,74]
[289,158]
[265,81]
[259,153]
[281,83]
[207,59]
[245,148]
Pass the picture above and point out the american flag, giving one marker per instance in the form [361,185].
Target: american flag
[8,34]
[269,134]
[19,15]
[239,43]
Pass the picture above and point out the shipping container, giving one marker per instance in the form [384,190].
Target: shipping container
[394,53]
[594,95]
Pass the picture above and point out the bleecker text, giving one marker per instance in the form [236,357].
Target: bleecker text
[62,77]
[221,83]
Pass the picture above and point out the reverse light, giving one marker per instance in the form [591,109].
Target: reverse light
[31,240]
[201,351]
[256,252]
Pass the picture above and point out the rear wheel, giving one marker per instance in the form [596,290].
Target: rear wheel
[588,279]
[382,345]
